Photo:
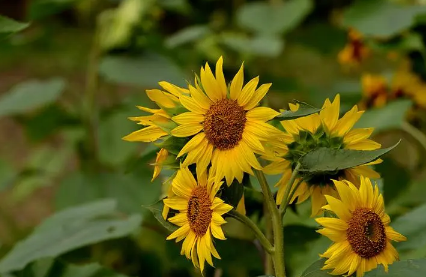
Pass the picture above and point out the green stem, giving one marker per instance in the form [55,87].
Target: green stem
[286,200]
[249,223]
[293,191]
[269,263]
[277,226]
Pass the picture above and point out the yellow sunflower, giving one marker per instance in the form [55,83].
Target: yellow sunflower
[225,126]
[361,233]
[323,129]
[199,217]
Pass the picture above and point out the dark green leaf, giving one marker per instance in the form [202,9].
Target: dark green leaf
[381,18]
[407,268]
[304,110]
[172,144]
[30,95]
[268,19]
[145,71]
[8,25]
[186,35]
[68,230]
[53,268]
[314,270]
[412,225]
[130,190]
[392,116]
[232,194]
[329,160]
[44,8]
[157,210]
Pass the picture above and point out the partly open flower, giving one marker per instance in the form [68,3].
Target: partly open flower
[355,50]
[361,233]
[199,217]
[225,126]
[159,123]
[323,129]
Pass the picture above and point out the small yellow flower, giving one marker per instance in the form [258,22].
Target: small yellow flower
[161,157]
[361,234]
[199,217]
[224,125]
[355,51]
[323,129]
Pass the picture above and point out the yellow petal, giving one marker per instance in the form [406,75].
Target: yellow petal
[394,235]
[248,91]
[217,232]
[182,231]
[173,89]
[162,98]
[176,203]
[357,135]
[200,98]
[192,144]
[188,118]
[187,130]
[346,123]
[237,84]
[332,223]
[330,113]
[338,208]
[220,78]
[191,105]
[209,84]
[257,96]
[262,114]
[366,144]
[148,134]
[180,219]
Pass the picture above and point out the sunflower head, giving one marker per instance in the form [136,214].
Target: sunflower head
[323,129]
[224,125]
[199,216]
[361,233]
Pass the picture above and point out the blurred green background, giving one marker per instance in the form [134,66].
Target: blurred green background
[71,76]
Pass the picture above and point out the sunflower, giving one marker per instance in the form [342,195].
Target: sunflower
[199,217]
[355,50]
[361,233]
[225,127]
[323,129]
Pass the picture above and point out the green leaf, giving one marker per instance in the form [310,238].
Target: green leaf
[68,230]
[407,268]
[314,270]
[187,35]
[128,189]
[53,268]
[172,144]
[304,110]
[381,18]
[329,160]
[8,25]
[277,19]
[30,95]
[412,225]
[232,194]
[259,45]
[157,210]
[392,116]
[44,8]
[145,71]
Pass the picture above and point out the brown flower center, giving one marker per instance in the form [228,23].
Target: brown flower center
[199,211]
[224,124]
[366,233]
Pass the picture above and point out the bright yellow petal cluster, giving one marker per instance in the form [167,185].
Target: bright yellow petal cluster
[327,121]
[361,234]
[225,127]
[199,217]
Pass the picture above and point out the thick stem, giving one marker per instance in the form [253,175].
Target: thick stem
[259,235]
[286,200]
[269,263]
[277,225]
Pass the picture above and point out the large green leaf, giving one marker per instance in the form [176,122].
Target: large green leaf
[314,270]
[157,210]
[412,225]
[392,116]
[259,45]
[30,95]
[130,190]
[187,35]
[53,268]
[8,25]
[144,71]
[329,160]
[264,18]
[68,230]
[381,18]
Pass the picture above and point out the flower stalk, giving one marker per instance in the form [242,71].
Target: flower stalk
[286,198]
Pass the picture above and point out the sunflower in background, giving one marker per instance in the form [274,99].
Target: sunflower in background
[361,234]
[323,129]
[355,51]
[199,215]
